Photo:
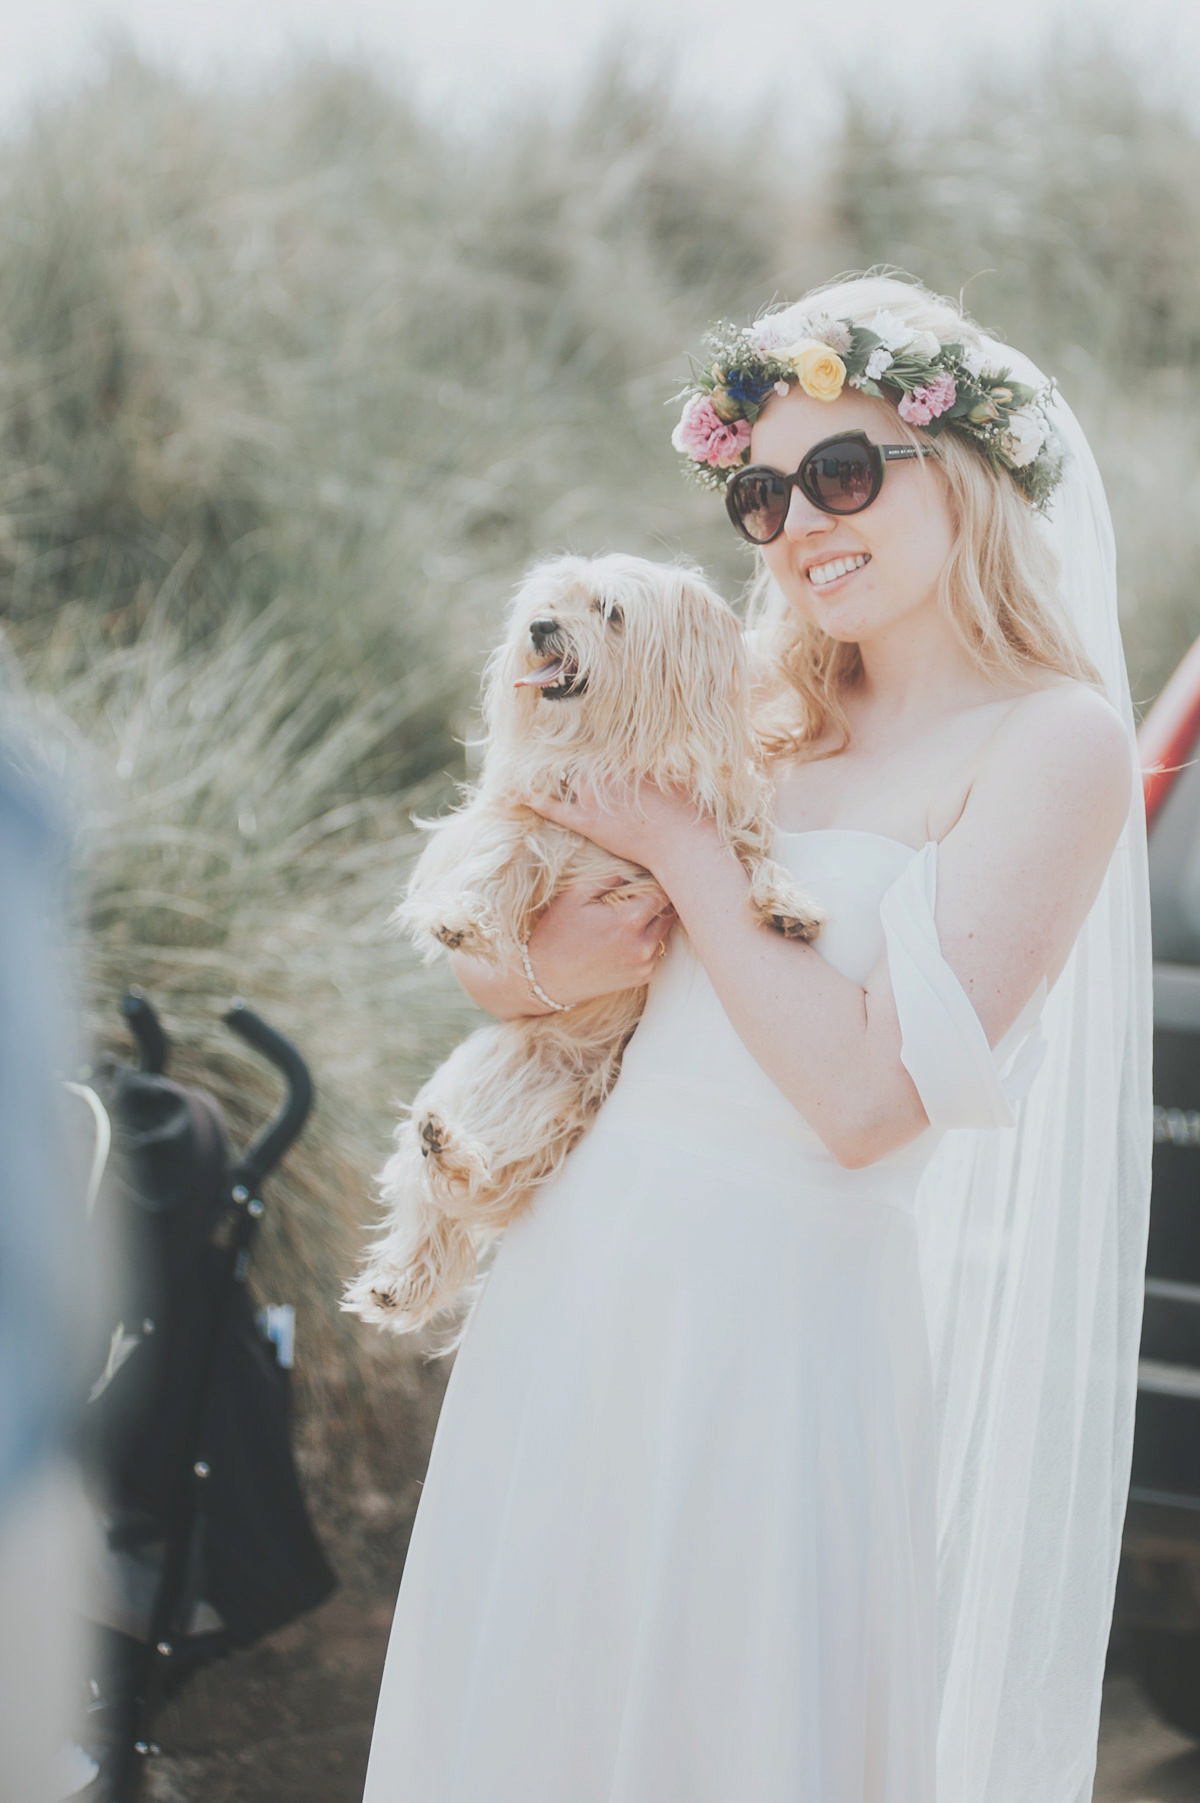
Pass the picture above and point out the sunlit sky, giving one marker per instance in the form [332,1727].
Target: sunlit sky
[471,56]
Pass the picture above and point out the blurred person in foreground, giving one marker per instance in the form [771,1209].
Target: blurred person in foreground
[41,1519]
[786,1448]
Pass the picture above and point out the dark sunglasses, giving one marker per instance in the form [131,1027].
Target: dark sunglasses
[839,475]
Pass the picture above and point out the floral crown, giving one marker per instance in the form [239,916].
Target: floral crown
[932,385]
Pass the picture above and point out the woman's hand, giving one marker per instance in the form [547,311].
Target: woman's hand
[583,945]
[586,943]
[648,830]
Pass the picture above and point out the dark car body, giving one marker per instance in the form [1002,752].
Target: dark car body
[1158,1591]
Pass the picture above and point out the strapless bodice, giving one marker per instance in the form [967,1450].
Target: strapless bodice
[686,1059]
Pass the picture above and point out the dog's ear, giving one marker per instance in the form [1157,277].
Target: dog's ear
[704,723]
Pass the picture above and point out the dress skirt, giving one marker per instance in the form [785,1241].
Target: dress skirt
[677,1539]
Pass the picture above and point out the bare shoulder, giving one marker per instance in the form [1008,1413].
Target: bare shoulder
[1070,709]
[1064,750]
[1023,864]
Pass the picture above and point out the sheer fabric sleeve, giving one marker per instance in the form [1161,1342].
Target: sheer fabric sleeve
[962,1080]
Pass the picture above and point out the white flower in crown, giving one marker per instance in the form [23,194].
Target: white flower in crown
[831,332]
[973,360]
[1022,438]
[893,331]
[878,363]
[775,330]
[924,345]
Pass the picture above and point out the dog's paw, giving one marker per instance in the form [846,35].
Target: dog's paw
[434,1136]
[378,1300]
[467,926]
[794,926]
[455,1165]
[776,902]
[402,1289]
[399,1306]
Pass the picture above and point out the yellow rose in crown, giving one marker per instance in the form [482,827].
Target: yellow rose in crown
[819,370]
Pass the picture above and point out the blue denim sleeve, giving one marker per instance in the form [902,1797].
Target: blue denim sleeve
[39,1236]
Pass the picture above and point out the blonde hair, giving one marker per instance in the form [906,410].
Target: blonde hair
[999,587]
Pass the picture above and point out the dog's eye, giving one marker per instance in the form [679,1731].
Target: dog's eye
[610,613]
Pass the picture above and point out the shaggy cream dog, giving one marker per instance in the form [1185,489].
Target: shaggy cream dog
[618,671]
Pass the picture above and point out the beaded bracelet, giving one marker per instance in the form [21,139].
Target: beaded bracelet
[535,988]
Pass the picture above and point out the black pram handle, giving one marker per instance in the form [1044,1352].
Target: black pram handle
[265,1151]
[152,1042]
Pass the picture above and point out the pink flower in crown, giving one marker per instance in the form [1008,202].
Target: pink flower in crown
[930,402]
[706,438]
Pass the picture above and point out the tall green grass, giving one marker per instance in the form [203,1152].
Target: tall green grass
[293,384]
[313,346]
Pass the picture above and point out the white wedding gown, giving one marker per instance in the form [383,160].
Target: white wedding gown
[677,1539]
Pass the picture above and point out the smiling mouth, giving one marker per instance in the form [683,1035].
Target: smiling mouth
[822,574]
[555,680]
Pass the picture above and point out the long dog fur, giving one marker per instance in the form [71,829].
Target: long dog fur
[613,670]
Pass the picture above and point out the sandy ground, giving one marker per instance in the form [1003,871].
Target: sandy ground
[290,1722]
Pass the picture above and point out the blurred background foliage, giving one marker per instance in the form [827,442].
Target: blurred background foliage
[294,383]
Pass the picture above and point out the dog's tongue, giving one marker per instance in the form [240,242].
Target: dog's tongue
[541,679]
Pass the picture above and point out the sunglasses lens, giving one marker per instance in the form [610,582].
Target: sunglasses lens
[842,477]
[758,503]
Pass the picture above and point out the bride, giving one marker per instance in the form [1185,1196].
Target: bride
[784,1457]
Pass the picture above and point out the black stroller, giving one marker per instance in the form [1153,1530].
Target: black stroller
[206,1542]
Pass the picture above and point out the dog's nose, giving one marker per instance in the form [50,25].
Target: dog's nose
[541,630]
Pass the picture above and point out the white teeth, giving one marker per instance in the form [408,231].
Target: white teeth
[829,572]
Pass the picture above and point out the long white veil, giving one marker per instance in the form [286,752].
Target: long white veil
[1033,1249]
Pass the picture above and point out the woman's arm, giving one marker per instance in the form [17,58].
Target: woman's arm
[1016,877]
[580,947]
